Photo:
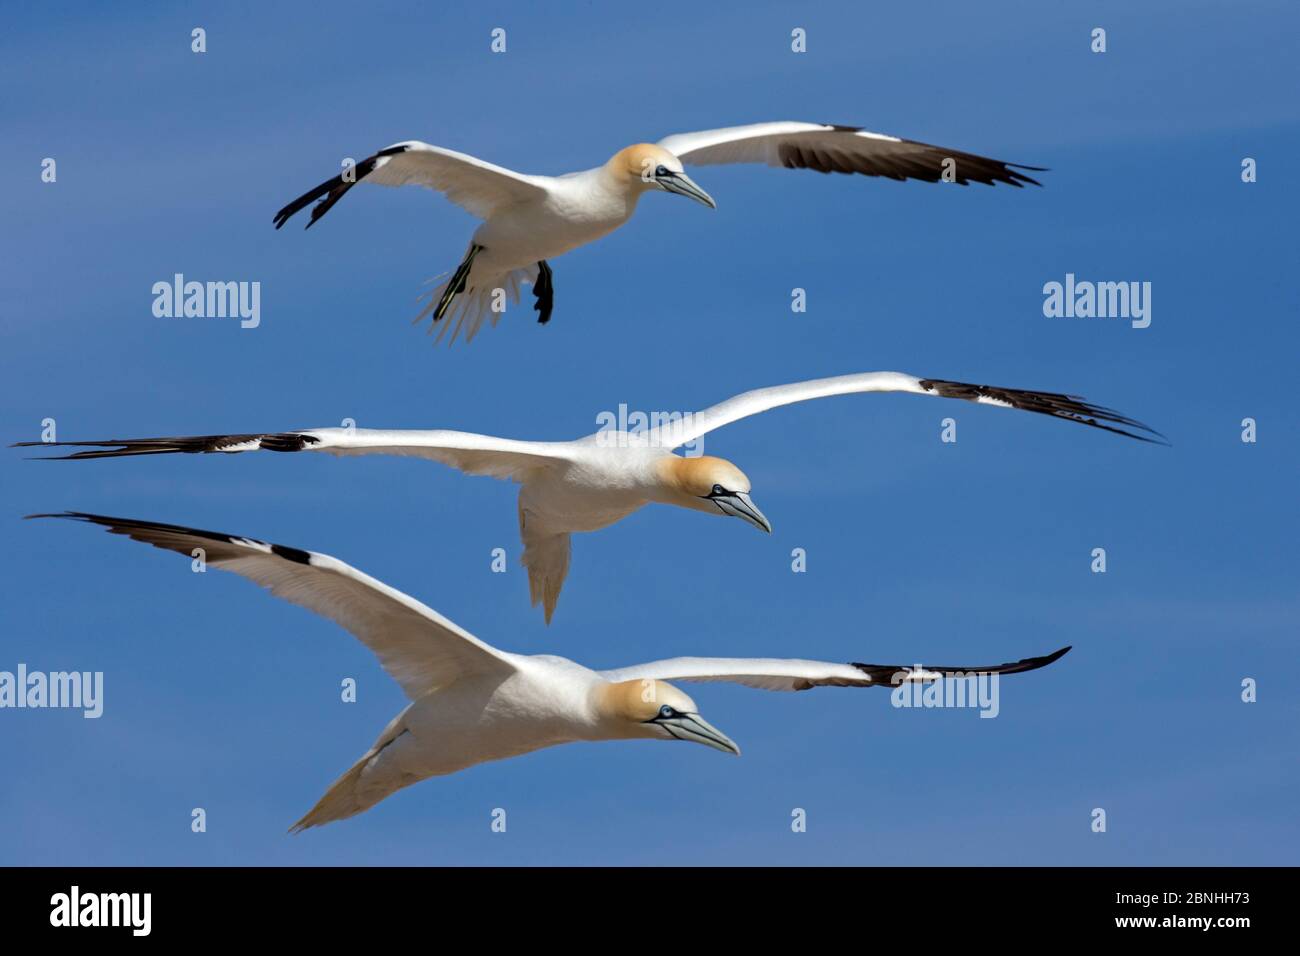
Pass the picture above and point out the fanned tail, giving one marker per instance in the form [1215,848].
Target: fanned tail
[377,775]
[340,800]
[469,309]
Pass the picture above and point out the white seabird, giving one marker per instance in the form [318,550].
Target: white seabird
[588,484]
[529,219]
[470,702]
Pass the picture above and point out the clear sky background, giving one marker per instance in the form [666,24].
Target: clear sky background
[219,696]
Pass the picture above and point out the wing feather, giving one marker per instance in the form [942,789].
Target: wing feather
[471,183]
[1058,405]
[792,675]
[827,148]
[471,453]
[417,646]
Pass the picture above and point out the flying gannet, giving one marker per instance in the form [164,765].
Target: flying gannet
[530,219]
[470,702]
[588,484]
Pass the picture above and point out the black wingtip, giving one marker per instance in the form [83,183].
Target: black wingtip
[75,456]
[1055,404]
[35,444]
[889,675]
[1015,177]
[134,527]
[41,444]
[285,213]
[183,444]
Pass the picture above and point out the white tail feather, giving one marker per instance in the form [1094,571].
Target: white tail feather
[470,309]
[378,774]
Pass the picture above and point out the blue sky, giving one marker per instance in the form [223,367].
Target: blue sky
[219,696]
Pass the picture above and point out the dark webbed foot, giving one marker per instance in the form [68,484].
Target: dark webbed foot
[544,290]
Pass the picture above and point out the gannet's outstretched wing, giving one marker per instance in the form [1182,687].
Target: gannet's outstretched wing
[417,646]
[1069,407]
[477,186]
[777,674]
[840,149]
[468,452]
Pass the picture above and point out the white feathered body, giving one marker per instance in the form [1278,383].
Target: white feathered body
[603,482]
[572,211]
[474,720]
[546,701]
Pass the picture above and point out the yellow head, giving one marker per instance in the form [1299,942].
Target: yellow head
[647,166]
[709,484]
[655,709]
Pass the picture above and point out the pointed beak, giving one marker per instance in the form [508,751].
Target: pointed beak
[739,505]
[683,185]
[695,728]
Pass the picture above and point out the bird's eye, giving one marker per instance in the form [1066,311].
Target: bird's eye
[666,711]
[719,490]
[662,171]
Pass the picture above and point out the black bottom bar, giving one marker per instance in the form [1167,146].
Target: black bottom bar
[339,906]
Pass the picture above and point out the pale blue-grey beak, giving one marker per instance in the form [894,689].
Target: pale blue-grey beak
[737,504]
[683,185]
[695,728]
